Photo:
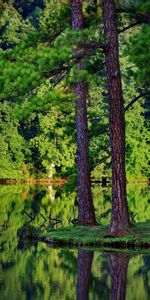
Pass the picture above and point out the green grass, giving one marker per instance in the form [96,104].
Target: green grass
[138,237]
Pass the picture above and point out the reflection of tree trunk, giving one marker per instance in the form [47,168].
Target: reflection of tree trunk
[118,272]
[85,259]
[86,214]
[120,218]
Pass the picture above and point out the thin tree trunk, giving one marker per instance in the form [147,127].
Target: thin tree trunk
[85,259]
[118,270]
[86,215]
[120,217]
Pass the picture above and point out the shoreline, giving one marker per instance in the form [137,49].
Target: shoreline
[96,236]
[61,181]
[42,181]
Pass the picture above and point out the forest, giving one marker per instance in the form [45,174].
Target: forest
[39,56]
[75,96]
[74,149]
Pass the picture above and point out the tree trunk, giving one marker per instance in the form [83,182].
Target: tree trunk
[86,215]
[118,270]
[120,218]
[85,259]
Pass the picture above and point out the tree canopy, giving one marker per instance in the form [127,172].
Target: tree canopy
[38,68]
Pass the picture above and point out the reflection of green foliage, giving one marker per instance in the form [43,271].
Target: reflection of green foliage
[45,273]
[142,285]
[138,199]
[102,198]
[49,274]
[44,202]
[38,273]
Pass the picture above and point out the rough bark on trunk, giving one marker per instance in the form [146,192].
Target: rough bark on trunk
[85,259]
[120,217]
[86,215]
[118,270]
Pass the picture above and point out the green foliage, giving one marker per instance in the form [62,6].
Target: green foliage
[54,18]
[137,47]
[25,68]
[137,144]
[13,28]
[37,72]
[137,134]
[98,131]
[28,8]
[11,144]
[55,142]
[139,54]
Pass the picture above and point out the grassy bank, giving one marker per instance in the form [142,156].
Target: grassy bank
[137,238]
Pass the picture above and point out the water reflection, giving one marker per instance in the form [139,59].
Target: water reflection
[40,272]
[115,278]
[43,205]
[118,264]
[85,259]
[118,272]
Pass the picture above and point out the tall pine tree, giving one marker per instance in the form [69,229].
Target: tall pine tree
[86,214]
[120,217]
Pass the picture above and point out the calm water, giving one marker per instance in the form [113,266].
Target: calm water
[40,272]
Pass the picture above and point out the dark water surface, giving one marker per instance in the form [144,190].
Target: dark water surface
[41,272]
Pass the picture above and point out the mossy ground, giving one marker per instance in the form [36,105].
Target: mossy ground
[138,237]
